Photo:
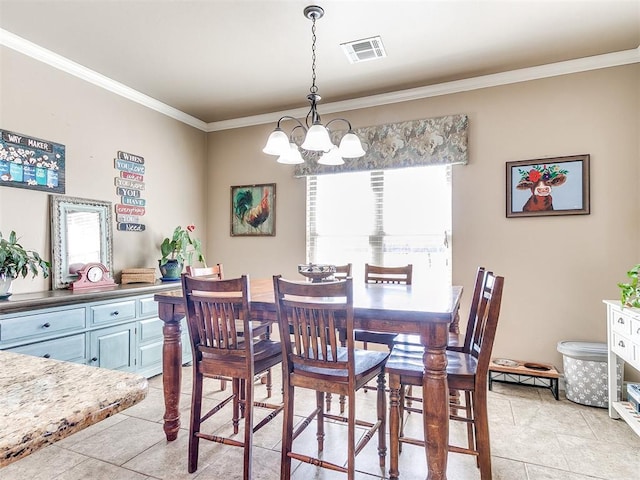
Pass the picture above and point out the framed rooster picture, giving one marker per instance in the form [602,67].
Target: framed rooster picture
[548,186]
[253,210]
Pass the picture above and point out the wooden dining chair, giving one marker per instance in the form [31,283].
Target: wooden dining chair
[214,271]
[223,344]
[315,360]
[343,271]
[467,372]
[409,342]
[388,275]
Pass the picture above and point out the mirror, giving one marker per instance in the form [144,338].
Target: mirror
[80,233]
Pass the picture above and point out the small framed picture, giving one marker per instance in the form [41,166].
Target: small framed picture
[548,186]
[253,210]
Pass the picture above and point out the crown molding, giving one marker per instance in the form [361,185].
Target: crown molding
[39,53]
[607,60]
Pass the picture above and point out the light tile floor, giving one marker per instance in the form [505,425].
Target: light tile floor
[533,437]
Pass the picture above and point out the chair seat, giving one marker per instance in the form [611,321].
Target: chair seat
[406,360]
[366,365]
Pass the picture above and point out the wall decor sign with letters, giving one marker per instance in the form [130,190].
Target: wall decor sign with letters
[32,163]
[129,187]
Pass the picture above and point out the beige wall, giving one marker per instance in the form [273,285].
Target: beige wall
[94,124]
[557,269]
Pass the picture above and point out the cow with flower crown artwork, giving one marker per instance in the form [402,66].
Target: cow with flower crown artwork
[540,180]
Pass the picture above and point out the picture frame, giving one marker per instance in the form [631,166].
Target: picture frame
[253,210]
[548,186]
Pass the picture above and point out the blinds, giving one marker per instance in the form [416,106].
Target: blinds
[383,217]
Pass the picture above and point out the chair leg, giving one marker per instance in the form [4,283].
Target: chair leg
[196,411]
[223,384]
[287,432]
[351,438]
[468,406]
[382,418]
[236,404]
[394,424]
[269,383]
[248,428]
[479,402]
[320,420]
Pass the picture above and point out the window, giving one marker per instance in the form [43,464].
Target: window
[384,217]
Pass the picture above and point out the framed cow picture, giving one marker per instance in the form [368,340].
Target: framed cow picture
[548,186]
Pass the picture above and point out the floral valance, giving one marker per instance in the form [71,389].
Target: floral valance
[430,141]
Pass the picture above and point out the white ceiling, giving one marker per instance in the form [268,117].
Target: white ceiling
[220,59]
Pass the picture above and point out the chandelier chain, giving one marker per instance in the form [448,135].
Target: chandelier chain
[314,88]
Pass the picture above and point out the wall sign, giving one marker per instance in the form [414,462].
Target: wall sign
[129,186]
[32,163]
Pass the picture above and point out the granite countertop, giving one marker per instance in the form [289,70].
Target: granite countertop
[43,400]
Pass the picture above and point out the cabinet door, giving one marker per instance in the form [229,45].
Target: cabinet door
[113,347]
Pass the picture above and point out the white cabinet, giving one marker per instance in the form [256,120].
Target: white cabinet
[117,329]
[623,340]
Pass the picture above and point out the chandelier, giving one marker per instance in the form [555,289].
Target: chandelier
[316,135]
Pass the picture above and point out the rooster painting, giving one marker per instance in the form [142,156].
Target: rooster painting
[252,210]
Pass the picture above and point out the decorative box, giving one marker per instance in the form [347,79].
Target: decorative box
[633,395]
[138,275]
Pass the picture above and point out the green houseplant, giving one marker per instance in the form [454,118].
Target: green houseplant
[16,261]
[630,292]
[179,250]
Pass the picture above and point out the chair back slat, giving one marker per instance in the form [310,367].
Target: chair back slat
[478,289]
[487,322]
[215,271]
[343,271]
[311,314]
[379,274]
[215,310]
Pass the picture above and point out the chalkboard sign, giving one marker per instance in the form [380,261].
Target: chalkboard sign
[33,163]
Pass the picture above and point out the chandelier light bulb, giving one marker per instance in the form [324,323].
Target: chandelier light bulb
[350,146]
[292,156]
[277,143]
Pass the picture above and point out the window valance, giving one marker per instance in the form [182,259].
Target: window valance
[429,141]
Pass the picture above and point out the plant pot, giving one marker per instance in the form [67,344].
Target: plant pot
[171,270]
[5,286]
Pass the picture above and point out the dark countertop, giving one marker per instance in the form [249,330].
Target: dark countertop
[22,302]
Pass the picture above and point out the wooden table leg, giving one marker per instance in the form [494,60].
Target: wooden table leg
[394,424]
[435,396]
[171,368]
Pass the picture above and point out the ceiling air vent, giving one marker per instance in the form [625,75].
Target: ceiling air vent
[363,50]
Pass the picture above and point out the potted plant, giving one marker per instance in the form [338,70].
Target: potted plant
[178,251]
[630,292]
[15,260]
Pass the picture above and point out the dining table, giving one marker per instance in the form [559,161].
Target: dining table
[425,310]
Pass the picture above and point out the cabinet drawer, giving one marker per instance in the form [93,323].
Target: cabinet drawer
[113,312]
[622,346]
[42,324]
[621,323]
[150,330]
[70,349]
[148,307]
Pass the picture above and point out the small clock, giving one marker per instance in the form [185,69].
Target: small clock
[92,275]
